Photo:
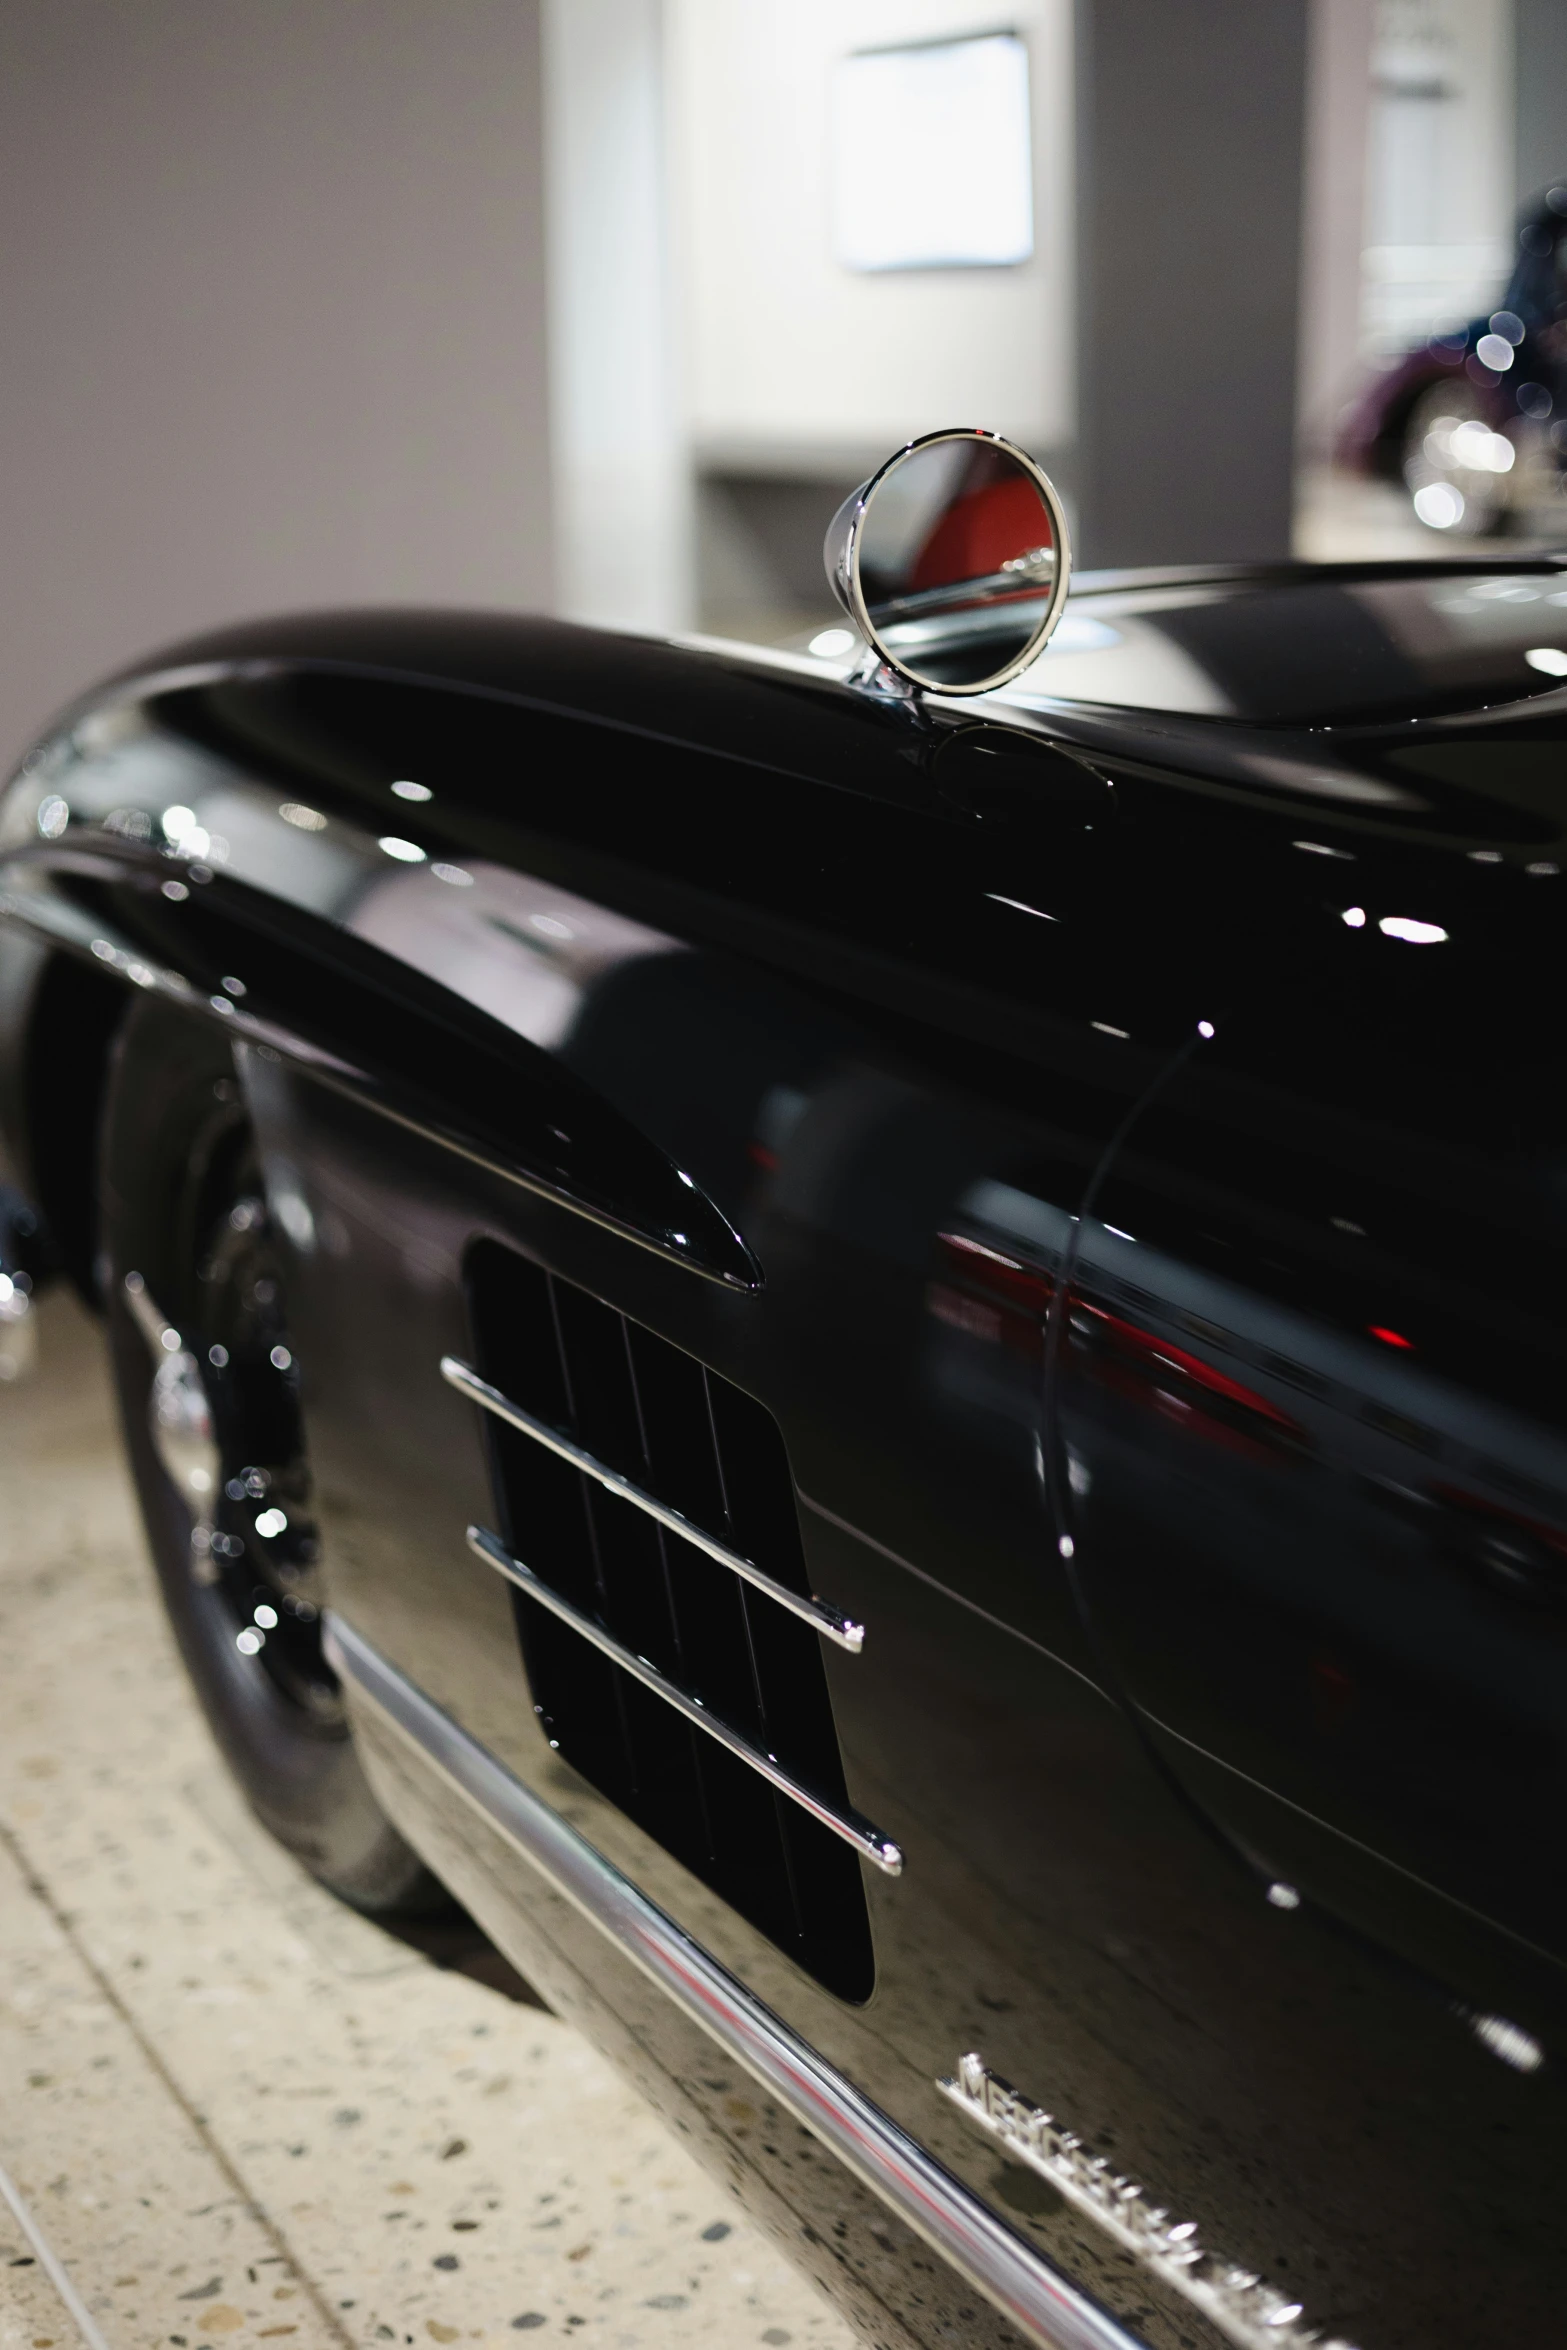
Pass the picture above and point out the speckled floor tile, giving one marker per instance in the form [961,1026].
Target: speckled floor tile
[414,2158]
[136,2203]
[32,2315]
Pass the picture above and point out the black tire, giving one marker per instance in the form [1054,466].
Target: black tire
[187,1244]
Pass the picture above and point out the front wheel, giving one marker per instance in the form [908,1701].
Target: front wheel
[209,1398]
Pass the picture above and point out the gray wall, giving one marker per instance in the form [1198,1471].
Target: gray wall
[272,307]
[1540,53]
[1191,123]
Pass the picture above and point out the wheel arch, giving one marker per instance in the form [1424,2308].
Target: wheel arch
[58,1020]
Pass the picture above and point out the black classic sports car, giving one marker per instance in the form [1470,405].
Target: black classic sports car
[876,1349]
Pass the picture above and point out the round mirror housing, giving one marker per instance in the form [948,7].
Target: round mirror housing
[952,561]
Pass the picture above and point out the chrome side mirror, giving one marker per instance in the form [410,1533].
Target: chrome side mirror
[952,561]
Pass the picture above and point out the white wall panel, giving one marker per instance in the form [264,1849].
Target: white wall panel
[622,479]
[794,362]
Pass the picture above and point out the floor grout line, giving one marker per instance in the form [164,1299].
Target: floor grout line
[263,2218]
[50,2262]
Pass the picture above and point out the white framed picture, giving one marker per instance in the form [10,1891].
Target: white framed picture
[932,160]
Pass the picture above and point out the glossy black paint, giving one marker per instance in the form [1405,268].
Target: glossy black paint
[1218,1709]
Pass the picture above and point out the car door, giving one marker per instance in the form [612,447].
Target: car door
[1310,1491]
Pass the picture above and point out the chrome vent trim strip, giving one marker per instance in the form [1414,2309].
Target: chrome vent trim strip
[868,1841]
[829,1621]
[1047,2309]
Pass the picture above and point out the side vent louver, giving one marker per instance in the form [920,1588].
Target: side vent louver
[690,1691]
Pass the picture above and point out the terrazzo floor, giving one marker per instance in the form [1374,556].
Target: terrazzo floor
[235,2112]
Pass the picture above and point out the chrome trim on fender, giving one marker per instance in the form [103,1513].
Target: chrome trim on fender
[829,1621]
[866,1840]
[1250,2312]
[1045,2307]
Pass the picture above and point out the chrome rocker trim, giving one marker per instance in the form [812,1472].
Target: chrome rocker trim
[855,1830]
[829,1621]
[1045,2307]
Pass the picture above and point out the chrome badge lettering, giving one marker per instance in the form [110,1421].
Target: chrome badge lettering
[1249,2311]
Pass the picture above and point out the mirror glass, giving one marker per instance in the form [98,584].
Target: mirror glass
[958,562]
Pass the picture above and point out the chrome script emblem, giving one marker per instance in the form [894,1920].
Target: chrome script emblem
[1249,2311]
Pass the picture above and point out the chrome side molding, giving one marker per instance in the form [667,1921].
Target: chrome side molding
[1046,2308]
[829,1621]
[868,1841]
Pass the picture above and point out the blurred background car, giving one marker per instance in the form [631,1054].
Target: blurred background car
[1473,421]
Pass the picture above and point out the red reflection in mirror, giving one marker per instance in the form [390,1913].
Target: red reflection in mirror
[984,529]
